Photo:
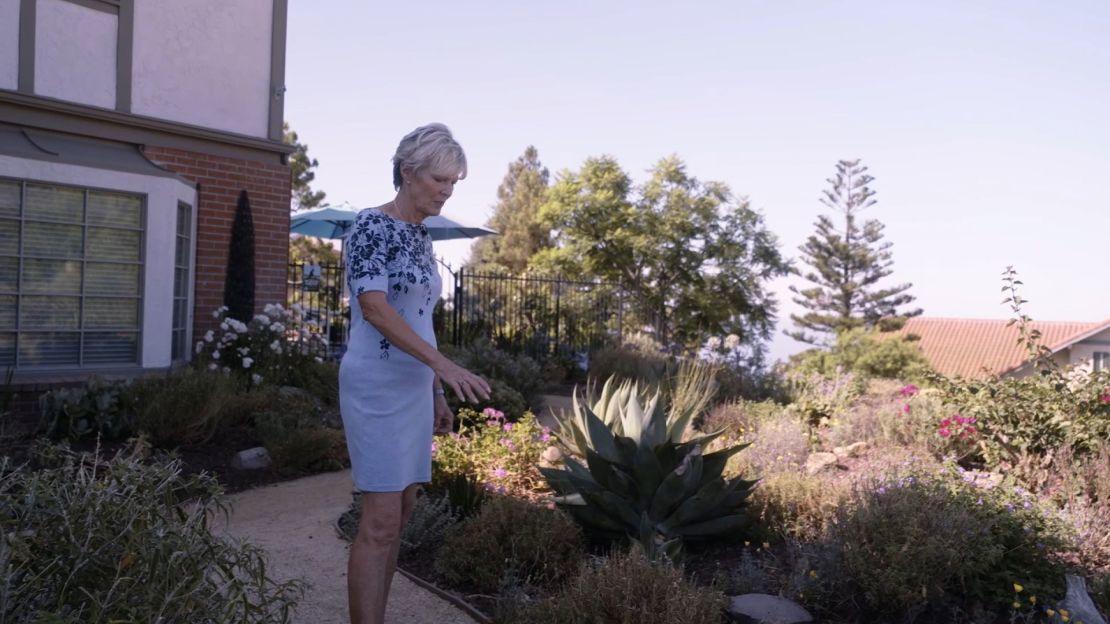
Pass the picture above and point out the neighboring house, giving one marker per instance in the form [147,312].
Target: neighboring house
[128,130]
[978,348]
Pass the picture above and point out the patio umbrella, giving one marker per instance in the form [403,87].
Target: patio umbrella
[334,222]
[323,223]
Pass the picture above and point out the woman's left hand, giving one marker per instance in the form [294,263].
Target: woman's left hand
[444,417]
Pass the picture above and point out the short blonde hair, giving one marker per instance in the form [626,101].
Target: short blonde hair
[430,147]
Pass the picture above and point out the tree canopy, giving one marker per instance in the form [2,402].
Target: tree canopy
[696,258]
[302,167]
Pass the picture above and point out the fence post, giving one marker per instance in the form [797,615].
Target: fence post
[456,312]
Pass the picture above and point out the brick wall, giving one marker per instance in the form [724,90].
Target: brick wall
[221,179]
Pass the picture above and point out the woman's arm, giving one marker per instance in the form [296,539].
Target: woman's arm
[377,311]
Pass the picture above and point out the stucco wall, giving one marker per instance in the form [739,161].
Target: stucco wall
[9,44]
[162,196]
[204,62]
[75,53]
[1082,353]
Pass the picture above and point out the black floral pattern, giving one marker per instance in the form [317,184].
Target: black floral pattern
[394,256]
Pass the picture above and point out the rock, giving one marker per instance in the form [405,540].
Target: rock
[852,450]
[251,459]
[768,609]
[816,462]
[551,456]
[1078,602]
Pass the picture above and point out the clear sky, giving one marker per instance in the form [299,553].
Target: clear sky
[986,124]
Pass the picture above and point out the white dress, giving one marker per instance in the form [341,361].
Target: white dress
[385,394]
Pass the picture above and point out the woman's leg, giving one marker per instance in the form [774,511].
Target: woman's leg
[408,502]
[373,553]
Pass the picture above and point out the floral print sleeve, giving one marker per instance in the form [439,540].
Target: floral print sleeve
[368,255]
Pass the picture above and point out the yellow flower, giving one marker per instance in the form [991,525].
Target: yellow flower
[1049,612]
[1032,600]
[1063,613]
[813,574]
[1016,605]
[1018,588]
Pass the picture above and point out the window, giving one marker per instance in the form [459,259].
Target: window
[70,275]
[181,282]
[1101,361]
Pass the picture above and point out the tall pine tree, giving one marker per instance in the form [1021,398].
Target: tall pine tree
[516,217]
[847,264]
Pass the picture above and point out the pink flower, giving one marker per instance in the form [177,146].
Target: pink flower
[493,414]
[906,408]
[507,443]
[435,447]
[944,432]
[507,426]
[499,473]
[908,390]
[1106,398]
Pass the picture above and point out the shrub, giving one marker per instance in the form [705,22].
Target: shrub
[794,505]
[638,359]
[627,588]
[642,476]
[184,407]
[1024,420]
[819,401]
[319,379]
[535,544]
[298,439]
[94,408]
[275,346]
[502,397]
[465,492]
[518,372]
[867,353]
[499,454]
[123,540]
[915,540]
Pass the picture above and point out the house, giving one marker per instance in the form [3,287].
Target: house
[977,348]
[127,132]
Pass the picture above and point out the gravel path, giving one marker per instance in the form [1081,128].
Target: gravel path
[295,523]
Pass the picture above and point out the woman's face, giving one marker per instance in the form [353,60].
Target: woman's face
[430,190]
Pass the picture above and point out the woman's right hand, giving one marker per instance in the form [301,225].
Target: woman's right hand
[467,385]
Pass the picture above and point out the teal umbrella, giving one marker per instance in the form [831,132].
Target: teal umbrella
[334,222]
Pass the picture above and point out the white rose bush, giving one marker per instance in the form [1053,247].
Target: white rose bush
[268,349]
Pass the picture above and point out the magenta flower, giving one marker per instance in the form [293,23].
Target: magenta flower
[1106,398]
[906,408]
[908,390]
[944,432]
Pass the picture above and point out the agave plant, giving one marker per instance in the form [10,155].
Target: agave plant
[643,477]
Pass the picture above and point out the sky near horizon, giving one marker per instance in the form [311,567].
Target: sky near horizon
[986,124]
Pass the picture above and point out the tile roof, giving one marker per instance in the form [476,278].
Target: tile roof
[978,347]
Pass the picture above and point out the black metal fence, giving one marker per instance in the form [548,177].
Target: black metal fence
[318,289]
[543,316]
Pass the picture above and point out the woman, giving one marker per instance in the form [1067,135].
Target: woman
[391,378]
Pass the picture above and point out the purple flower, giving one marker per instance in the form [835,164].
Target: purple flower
[499,473]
